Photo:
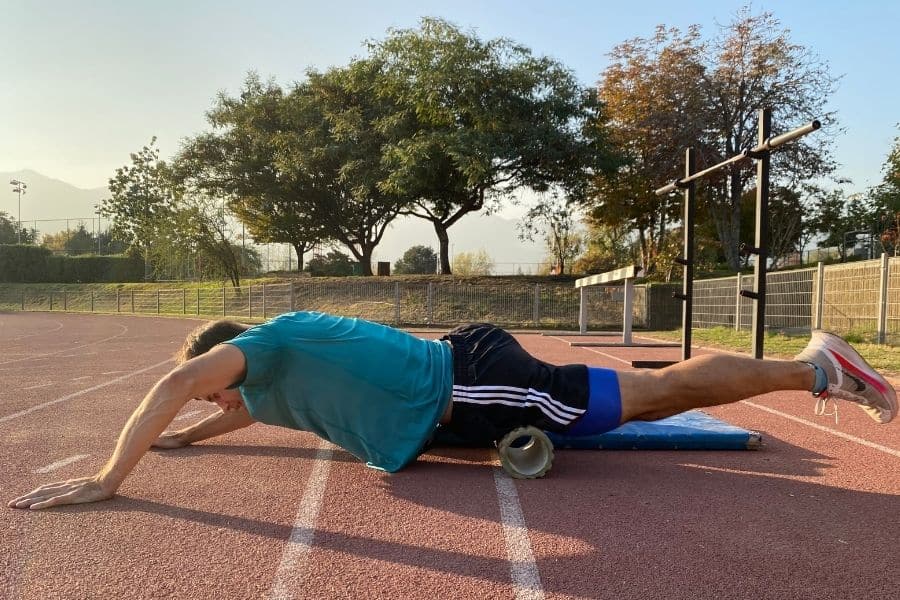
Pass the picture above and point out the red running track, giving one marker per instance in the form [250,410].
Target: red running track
[267,512]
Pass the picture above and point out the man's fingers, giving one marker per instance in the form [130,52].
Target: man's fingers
[69,498]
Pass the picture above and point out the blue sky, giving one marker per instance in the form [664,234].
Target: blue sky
[86,83]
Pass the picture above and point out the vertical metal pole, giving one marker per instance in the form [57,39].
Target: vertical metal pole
[250,301]
[118,302]
[762,235]
[582,309]
[132,300]
[184,301]
[536,313]
[429,303]
[198,301]
[65,301]
[292,296]
[92,300]
[223,300]
[628,311]
[23,291]
[157,301]
[737,301]
[882,298]
[265,304]
[820,296]
[687,258]
[51,300]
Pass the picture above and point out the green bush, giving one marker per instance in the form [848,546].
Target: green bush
[34,264]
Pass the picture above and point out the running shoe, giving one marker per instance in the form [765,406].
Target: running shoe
[849,376]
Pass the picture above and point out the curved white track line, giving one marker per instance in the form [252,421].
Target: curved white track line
[22,337]
[33,356]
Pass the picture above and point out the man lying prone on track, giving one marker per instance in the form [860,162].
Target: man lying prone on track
[383,394]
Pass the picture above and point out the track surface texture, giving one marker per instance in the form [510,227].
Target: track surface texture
[271,513]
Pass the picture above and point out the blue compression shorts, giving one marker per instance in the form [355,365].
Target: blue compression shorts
[604,411]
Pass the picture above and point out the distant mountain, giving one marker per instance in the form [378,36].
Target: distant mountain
[49,201]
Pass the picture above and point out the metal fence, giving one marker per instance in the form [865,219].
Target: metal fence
[385,301]
[862,298]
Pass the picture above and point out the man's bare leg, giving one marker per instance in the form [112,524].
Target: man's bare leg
[708,380]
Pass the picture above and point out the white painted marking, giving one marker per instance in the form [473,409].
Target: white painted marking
[294,565]
[61,463]
[840,434]
[27,411]
[112,337]
[82,377]
[522,567]
[22,337]
[110,372]
[187,415]
[40,385]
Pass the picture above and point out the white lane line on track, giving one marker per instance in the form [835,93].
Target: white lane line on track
[27,411]
[22,337]
[82,377]
[61,463]
[294,565]
[187,415]
[33,356]
[40,385]
[522,567]
[840,434]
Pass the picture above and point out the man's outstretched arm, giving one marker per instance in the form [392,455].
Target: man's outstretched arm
[215,424]
[206,374]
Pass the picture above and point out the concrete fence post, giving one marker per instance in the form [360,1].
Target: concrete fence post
[883,297]
[819,307]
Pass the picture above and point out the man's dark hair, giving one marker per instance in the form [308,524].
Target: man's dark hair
[208,335]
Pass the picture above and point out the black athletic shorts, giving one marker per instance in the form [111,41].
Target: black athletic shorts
[498,386]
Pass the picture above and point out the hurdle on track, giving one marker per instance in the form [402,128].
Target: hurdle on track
[626,275]
[762,155]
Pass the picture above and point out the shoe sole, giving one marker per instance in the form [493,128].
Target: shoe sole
[858,367]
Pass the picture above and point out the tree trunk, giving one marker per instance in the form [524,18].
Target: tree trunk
[366,260]
[444,241]
[300,249]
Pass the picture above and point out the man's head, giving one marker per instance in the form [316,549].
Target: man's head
[203,338]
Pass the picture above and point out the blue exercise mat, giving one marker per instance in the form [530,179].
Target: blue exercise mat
[693,430]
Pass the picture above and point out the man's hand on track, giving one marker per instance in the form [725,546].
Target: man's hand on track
[72,491]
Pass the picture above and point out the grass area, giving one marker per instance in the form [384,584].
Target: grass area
[779,345]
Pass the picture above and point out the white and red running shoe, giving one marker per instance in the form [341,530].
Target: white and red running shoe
[849,376]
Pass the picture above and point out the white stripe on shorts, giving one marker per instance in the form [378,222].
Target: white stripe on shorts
[514,396]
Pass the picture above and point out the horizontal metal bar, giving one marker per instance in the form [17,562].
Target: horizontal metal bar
[784,138]
[685,180]
[769,144]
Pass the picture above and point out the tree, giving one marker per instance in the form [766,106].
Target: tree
[607,247]
[240,160]
[676,90]
[488,117]
[885,202]
[10,234]
[553,216]
[470,264]
[341,153]
[333,264]
[417,260]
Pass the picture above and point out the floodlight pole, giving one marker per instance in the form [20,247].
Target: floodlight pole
[19,187]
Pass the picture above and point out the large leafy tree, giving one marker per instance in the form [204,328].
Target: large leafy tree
[489,118]
[417,260]
[242,160]
[884,199]
[339,151]
[676,90]
[10,234]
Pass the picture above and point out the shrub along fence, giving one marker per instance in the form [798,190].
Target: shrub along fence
[34,264]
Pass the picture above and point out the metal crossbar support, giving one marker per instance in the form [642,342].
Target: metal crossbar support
[627,274]
[687,262]
[761,240]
